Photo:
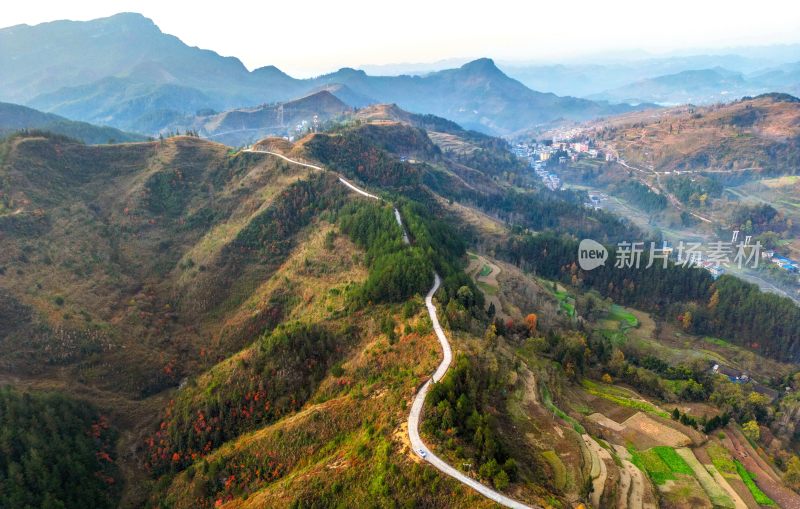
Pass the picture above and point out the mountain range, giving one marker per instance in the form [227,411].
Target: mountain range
[325,292]
[243,126]
[706,86]
[767,68]
[124,72]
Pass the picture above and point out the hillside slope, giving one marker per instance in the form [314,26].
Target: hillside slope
[293,118]
[760,133]
[151,274]
[14,118]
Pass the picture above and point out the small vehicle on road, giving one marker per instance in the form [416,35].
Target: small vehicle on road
[423,453]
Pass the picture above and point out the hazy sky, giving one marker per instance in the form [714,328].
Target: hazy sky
[309,37]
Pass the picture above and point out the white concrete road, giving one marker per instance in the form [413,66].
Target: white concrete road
[314,167]
[416,413]
[417,444]
[276,154]
[359,191]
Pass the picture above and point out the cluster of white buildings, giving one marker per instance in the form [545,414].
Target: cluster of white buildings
[305,126]
[539,154]
[550,180]
[595,201]
[542,152]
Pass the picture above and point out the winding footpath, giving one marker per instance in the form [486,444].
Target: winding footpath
[415,415]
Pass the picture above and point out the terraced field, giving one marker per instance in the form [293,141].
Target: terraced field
[719,497]
[622,397]
[485,273]
[672,475]
[599,471]
[547,400]
[558,468]
[661,463]
[749,480]
[639,494]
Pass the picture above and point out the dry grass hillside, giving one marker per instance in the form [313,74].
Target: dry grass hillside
[759,133]
[382,113]
[116,258]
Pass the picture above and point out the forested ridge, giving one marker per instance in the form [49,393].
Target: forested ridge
[397,271]
[50,446]
[357,157]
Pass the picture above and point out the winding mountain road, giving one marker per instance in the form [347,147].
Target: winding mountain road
[415,415]
[416,412]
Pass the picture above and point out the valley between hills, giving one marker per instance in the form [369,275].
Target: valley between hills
[271,354]
[224,287]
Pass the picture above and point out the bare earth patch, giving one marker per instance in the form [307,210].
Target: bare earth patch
[606,422]
[658,432]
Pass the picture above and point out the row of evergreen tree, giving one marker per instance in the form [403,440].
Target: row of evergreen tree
[728,307]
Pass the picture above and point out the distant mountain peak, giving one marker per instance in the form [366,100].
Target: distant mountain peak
[349,71]
[269,70]
[320,98]
[131,16]
[347,95]
[130,20]
[482,65]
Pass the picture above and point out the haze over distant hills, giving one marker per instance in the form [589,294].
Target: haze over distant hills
[662,79]
[705,86]
[694,86]
[14,117]
[123,71]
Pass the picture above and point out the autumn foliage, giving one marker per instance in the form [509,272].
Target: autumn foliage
[531,321]
[269,380]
